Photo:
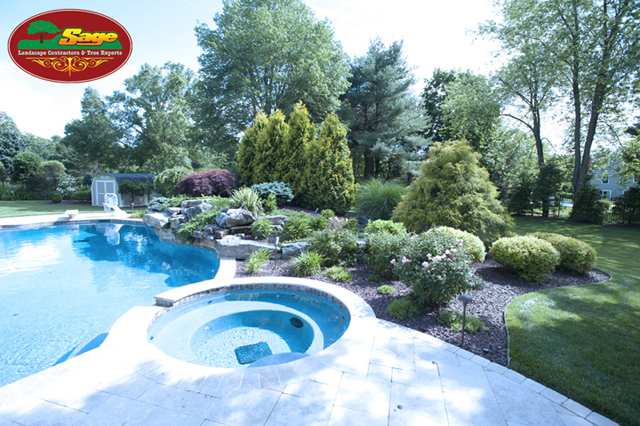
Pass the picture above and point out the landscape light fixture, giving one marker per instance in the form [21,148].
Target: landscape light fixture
[464,298]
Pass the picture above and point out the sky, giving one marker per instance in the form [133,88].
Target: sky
[435,34]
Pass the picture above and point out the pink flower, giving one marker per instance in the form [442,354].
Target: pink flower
[425,265]
[447,251]
[454,258]
[405,260]
[393,261]
[454,251]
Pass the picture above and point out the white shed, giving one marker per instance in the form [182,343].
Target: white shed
[105,183]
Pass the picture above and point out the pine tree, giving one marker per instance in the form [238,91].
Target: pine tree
[247,150]
[454,190]
[328,178]
[300,133]
[270,149]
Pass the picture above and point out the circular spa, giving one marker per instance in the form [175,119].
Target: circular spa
[250,328]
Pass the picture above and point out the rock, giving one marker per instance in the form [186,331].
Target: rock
[277,219]
[154,208]
[190,203]
[228,218]
[276,228]
[173,210]
[176,221]
[293,249]
[192,212]
[166,235]
[221,234]
[198,235]
[240,230]
[235,247]
[156,220]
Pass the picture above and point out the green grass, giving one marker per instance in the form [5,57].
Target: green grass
[34,208]
[583,341]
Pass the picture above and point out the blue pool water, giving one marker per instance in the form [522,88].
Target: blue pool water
[236,329]
[63,287]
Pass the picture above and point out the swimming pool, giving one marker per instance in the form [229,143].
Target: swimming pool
[253,327]
[62,287]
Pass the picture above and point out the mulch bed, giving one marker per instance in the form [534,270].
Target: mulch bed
[501,287]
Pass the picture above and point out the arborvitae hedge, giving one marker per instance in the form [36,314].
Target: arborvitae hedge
[247,150]
[270,149]
[301,132]
[454,190]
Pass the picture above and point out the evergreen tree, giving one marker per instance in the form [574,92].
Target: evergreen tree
[520,200]
[300,133]
[586,204]
[385,120]
[270,149]
[328,177]
[247,150]
[454,190]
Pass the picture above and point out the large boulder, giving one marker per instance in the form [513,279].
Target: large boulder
[277,219]
[293,249]
[191,212]
[237,248]
[228,218]
[156,220]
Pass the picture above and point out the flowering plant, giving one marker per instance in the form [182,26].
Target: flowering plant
[437,267]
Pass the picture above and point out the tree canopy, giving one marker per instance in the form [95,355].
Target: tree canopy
[266,55]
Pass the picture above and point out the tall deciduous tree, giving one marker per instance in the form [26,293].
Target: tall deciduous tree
[433,97]
[594,46]
[386,123]
[266,55]
[42,28]
[11,142]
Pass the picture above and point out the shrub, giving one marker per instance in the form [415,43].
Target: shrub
[337,244]
[82,194]
[87,179]
[404,308]
[338,273]
[531,257]
[575,255]
[454,190]
[270,205]
[308,263]
[327,213]
[386,289]
[376,278]
[256,260]
[138,213]
[383,247]
[297,227]
[281,190]
[388,226]
[627,207]
[454,321]
[376,199]
[261,228]
[472,245]
[197,223]
[437,268]
[159,201]
[210,182]
[170,178]
[245,198]
[606,204]
[318,223]
[587,206]
[56,197]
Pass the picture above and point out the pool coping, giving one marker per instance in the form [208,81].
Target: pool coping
[41,221]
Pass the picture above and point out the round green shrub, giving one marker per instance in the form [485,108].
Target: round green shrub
[56,197]
[297,226]
[339,274]
[318,223]
[404,308]
[270,205]
[261,228]
[531,257]
[338,245]
[376,278]
[472,244]
[437,268]
[575,255]
[587,206]
[386,289]
[383,247]
[454,321]
[388,226]
[327,213]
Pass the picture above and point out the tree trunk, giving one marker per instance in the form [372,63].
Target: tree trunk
[368,166]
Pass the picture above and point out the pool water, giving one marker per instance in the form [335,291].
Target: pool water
[63,287]
[235,329]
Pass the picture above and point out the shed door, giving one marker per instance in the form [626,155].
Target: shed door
[105,187]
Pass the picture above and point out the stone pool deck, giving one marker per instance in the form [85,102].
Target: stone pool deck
[379,373]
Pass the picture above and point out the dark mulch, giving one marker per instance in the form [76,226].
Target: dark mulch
[501,286]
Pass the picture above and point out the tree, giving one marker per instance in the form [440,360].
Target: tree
[153,116]
[586,204]
[11,142]
[54,172]
[270,150]
[454,190]
[549,184]
[247,151]
[301,132]
[27,168]
[433,97]
[328,175]
[266,55]
[386,124]
[168,179]
[593,48]
[42,28]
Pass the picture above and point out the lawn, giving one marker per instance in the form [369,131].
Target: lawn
[584,341]
[33,208]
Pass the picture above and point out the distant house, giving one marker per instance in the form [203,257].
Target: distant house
[106,183]
[610,183]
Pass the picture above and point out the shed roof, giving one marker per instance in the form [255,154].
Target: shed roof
[134,177]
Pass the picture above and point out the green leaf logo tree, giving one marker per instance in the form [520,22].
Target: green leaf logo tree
[41,28]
